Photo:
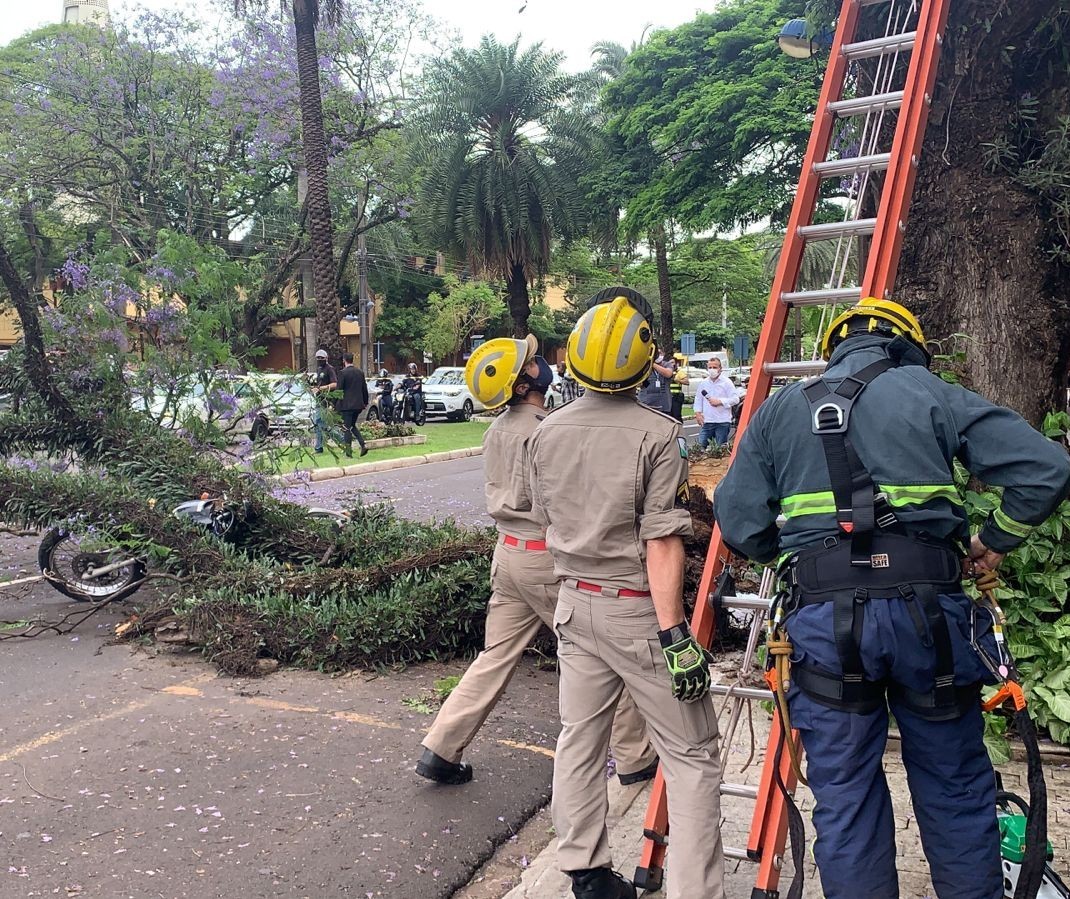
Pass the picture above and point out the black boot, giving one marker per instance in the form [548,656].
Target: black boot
[636,777]
[601,883]
[436,768]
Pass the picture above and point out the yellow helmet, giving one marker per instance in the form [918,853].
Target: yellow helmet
[611,348]
[494,366]
[884,316]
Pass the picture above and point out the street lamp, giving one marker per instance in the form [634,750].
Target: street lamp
[796,41]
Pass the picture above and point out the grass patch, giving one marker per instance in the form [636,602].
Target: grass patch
[442,437]
[14,625]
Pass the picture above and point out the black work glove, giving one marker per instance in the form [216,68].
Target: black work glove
[688,661]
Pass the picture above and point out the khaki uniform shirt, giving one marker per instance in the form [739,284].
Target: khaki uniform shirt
[505,467]
[608,474]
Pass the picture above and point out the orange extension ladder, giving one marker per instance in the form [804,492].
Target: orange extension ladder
[878,85]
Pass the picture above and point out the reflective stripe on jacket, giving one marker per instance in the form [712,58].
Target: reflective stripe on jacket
[908,427]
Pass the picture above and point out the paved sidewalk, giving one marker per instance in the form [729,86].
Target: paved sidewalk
[541,880]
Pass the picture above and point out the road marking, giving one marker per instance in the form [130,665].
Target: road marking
[527,747]
[54,736]
[370,721]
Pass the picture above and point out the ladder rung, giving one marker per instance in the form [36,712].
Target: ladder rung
[862,105]
[743,790]
[852,165]
[750,601]
[794,369]
[833,230]
[817,297]
[740,854]
[742,692]
[881,46]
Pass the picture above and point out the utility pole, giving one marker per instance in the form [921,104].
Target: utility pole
[364,303]
[724,307]
[306,354]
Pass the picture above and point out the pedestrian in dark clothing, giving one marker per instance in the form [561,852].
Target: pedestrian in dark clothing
[326,380]
[354,389]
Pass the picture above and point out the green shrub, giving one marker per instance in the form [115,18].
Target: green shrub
[1036,581]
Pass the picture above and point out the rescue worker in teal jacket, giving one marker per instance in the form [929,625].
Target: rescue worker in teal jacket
[860,465]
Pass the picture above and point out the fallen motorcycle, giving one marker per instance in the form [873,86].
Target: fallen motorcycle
[84,567]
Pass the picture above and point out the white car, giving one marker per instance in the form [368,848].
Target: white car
[447,396]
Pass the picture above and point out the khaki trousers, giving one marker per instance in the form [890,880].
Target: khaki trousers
[524,597]
[604,646]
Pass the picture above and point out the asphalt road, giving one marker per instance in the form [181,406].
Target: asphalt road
[427,492]
[135,772]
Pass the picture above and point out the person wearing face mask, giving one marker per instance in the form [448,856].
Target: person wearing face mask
[325,380]
[714,400]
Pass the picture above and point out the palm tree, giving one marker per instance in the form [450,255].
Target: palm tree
[500,147]
[307,15]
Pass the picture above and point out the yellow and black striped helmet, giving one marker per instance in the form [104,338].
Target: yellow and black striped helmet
[884,316]
[494,366]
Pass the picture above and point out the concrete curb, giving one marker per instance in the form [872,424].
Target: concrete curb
[542,880]
[327,474]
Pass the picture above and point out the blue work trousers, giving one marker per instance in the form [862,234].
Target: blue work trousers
[717,431]
[951,781]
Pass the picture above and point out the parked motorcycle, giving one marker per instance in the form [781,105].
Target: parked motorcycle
[86,569]
[405,404]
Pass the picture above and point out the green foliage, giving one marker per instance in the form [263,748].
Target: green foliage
[445,685]
[465,308]
[724,113]
[1036,583]
[499,153]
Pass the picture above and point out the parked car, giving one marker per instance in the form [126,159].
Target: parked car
[253,406]
[447,396]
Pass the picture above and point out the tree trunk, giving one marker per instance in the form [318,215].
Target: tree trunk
[666,340]
[38,371]
[519,301]
[319,205]
[975,258]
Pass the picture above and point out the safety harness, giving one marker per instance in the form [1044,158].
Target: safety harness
[871,558]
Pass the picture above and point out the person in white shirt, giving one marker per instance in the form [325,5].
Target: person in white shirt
[714,400]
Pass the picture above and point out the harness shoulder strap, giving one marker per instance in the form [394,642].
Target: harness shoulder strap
[852,487]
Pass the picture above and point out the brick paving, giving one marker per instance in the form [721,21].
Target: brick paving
[628,806]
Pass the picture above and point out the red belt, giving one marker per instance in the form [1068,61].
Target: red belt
[588,587]
[534,546]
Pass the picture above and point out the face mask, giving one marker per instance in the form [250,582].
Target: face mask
[321,362]
[715,373]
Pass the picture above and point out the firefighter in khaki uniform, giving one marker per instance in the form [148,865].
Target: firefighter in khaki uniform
[610,481]
[507,372]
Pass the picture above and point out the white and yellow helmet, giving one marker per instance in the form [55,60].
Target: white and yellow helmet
[611,348]
[494,366]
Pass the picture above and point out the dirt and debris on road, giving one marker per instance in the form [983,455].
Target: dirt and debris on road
[138,771]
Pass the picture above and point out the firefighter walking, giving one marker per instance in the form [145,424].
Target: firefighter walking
[505,372]
[860,464]
[610,483]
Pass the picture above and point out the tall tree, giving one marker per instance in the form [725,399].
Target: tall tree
[633,157]
[307,16]
[987,248]
[499,147]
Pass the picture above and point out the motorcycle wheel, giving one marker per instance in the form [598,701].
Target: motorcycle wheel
[62,554]
[373,414]
[421,419]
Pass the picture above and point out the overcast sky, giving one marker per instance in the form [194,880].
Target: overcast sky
[567,25]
